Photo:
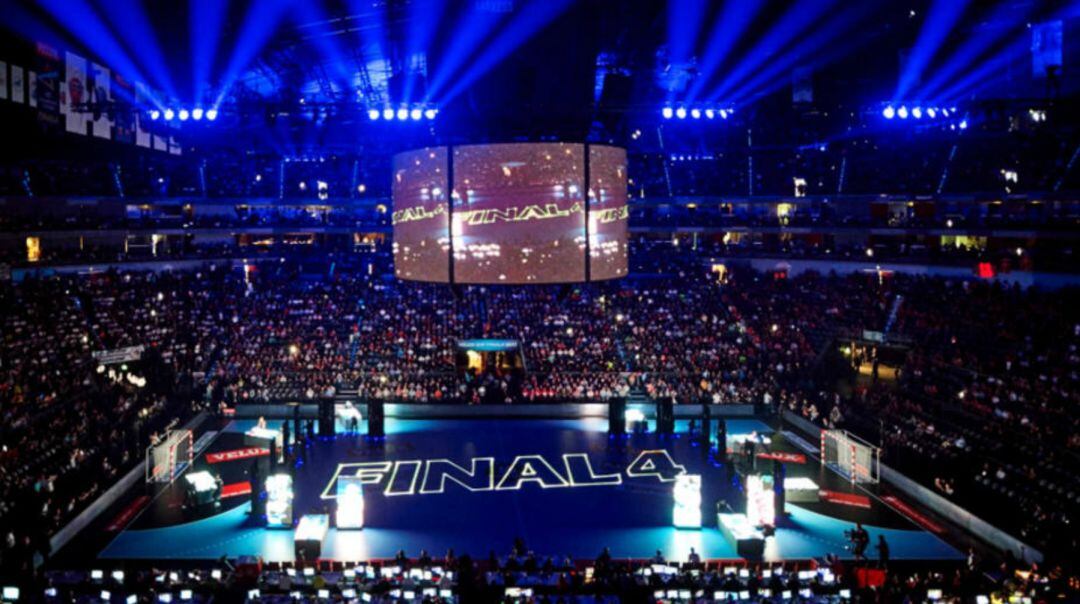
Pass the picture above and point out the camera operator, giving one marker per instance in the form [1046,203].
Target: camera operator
[859,539]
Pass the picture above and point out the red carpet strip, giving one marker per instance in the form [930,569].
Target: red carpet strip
[783,456]
[850,499]
[128,514]
[913,514]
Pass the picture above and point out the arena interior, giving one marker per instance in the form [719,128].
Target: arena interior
[546,301]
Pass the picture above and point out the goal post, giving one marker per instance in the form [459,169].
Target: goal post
[850,456]
[168,458]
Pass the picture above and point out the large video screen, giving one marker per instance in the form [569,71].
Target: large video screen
[421,216]
[517,214]
[608,213]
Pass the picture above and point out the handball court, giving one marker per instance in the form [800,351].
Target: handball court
[554,517]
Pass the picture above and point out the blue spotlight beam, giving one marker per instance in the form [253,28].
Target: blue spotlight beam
[205,20]
[472,29]
[132,28]
[1000,22]
[683,24]
[735,18]
[83,23]
[779,37]
[260,22]
[376,38]
[976,47]
[939,22]
[990,71]
[424,17]
[525,23]
[822,45]
[315,24]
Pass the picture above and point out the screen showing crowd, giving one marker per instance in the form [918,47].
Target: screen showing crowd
[518,214]
[421,215]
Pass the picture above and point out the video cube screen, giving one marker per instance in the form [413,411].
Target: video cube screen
[421,215]
[518,214]
[608,213]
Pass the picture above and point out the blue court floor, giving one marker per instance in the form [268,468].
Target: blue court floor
[632,518]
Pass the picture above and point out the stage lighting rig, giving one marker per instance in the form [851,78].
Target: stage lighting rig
[707,111]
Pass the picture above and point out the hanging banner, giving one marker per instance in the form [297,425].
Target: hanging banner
[75,79]
[45,93]
[17,84]
[123,93]
[31,85]
[142,132]
[101,97]
[174,145]
[3,80]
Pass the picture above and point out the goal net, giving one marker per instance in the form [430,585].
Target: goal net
[850,456]
[167,459]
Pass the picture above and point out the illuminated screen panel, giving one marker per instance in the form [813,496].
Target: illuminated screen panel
[608,213]
[421,215]
[519,213]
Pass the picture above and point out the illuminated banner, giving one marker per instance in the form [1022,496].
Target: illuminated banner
[782,456]
[246,453]
[434,476]
[118,355]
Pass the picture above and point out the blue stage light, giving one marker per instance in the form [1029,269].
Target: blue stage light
[889,112]
[917,113]
[430,113]
[403,114]
[963,124]
[169,114]
[680,113]
[197,113]
[902,112]
[211,114]
[709,113]
[388,114]
[695,113]
[154,114]
[723,114]
[667,112]
[416,114]
[931,112]
[183,115]
[945,111]
[373,114]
